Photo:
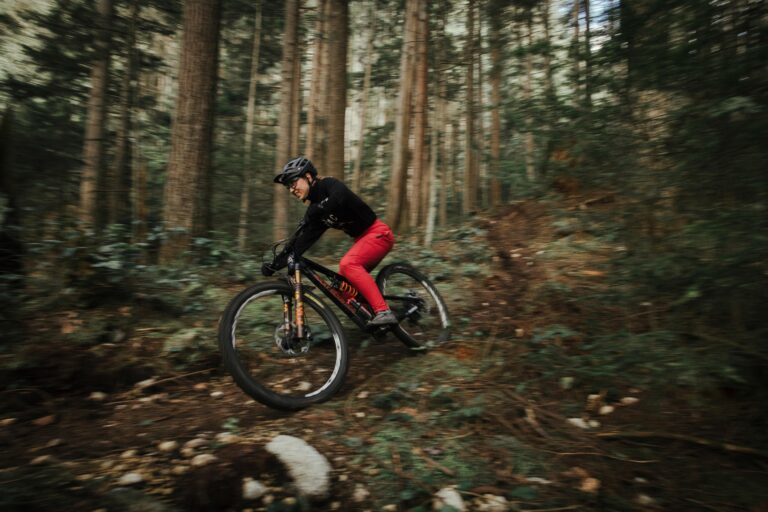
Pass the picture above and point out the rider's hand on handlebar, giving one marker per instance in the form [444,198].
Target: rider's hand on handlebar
[267,270]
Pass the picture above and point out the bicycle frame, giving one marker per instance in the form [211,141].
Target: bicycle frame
[315,273]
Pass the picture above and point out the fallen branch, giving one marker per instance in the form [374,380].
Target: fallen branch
[431,462]
[689,439]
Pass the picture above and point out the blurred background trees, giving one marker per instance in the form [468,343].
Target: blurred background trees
[142,118]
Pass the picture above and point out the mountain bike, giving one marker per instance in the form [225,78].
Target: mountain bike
[285,347]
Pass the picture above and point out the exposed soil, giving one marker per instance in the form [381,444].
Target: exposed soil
[403,427]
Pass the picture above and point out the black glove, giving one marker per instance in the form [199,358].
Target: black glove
[267,270]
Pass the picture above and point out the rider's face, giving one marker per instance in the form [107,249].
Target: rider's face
[299,188]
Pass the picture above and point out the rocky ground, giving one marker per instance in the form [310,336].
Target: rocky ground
[476,424]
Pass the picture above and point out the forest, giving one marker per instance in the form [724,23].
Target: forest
[584,182]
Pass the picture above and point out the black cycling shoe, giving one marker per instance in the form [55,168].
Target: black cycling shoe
[385,317]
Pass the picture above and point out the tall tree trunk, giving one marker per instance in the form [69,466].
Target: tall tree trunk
[576,51]
[419,181]
[250,117]
[11,247]
[469,196]
[357,171]
[530,167]
[118,208]
[495,167]
[315,110]
[186,203]
[441,161]
[480,150]
[283,153]
[435,150]
[587,56]
[397,189]
[92,180]
[338,34]
[297,90]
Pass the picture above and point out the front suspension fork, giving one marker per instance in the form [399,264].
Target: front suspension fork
[298,300]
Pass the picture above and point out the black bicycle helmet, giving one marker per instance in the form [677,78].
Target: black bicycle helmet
[295,168]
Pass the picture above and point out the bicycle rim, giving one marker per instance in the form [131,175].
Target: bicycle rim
[272,364]
[417,304]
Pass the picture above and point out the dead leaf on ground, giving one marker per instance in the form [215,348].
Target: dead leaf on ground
[45,420]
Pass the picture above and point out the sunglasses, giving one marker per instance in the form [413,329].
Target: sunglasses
[291,185]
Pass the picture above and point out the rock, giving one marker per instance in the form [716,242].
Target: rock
[607,409]
[359,415]
[97,396]
[179,470]
[227,438]
[389,508]
[593,424]
[7,422]
[127,454]
[309,469]
[195,443]
[590,485]
[200,386]
[131,478]
[578,422]
[361,494]
[644,500]
[492,503]
[594,402]
[217,394]
[168,446]
[450,497]
[629,400]
[362,395]
[538,480]
[203,459]
[253,489]
[42,459]
[188,452]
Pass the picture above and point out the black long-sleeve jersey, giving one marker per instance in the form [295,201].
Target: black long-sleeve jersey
[332,205]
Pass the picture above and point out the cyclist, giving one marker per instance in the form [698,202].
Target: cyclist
[333,205]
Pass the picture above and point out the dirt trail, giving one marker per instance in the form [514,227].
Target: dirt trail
[402,428]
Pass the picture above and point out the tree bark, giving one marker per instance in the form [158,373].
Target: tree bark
[284,146]
[11,246]
[315,109]
[250,117]
[118,208]
[297,90]
[587,56]
[419,180]
[442,163]
[357,171]
[92,179]
[186,201]
[338,34]
[469,195]
[576,52]
[495,167]
[530,144]
[396,197]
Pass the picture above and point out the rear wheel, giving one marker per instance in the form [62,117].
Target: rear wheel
[417,304]
[268,360]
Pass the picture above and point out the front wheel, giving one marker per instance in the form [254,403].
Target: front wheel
[417,304]
[266,357]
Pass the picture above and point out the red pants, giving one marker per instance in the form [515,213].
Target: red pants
[367,252]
